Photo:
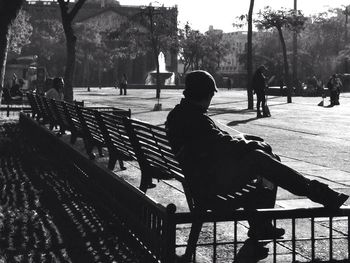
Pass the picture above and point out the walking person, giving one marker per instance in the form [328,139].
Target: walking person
[123,84]
[259,86]
[334,86]
[216,162]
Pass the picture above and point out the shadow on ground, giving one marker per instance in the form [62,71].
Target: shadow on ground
[45,217]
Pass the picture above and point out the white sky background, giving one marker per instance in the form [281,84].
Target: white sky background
[221,13]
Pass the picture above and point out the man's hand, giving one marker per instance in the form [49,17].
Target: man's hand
[260,145]
[252,137]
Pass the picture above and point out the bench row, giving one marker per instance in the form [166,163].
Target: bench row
[131,139]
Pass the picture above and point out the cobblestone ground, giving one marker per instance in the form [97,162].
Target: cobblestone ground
[44,218]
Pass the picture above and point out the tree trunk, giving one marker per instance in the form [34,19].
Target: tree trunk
[250,56]
[67,18]
[70,66]
[286,66]
[4,42]
[8,12]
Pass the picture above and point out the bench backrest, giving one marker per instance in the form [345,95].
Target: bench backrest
[153,149]
[33,104]
[73,117]
[89,123]
[155,155]
[114,132]
[41,107]
[58,106]
[51,113]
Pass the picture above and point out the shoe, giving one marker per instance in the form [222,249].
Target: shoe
[337,201]
[252,251]
[269,232]
[322,194]
[259,115]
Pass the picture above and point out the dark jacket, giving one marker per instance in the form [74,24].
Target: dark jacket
[259,83]
[197,140]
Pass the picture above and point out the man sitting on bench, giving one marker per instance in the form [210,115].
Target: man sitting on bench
[215,162]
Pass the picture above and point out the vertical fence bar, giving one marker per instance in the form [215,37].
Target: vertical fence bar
[348,237]
[312,238]
[274,244]
[169,235]
[235,238]
[330,238]
[214,242]
[293,239]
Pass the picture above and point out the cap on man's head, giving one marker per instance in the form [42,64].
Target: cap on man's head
[199,84]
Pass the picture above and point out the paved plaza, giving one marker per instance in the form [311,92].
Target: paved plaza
[312,139]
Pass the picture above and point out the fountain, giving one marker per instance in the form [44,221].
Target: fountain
[163,76]
[163,73]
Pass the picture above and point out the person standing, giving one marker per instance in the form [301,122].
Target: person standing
[334,86]
[259,86]
[123,84]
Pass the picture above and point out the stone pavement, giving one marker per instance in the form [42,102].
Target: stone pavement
[312,139]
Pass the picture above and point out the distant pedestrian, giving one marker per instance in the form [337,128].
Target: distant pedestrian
[281,84]
[56,91]
[123,84]
[228,83]
[334,86]
[259,86]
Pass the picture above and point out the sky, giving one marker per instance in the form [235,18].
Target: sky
[221,13]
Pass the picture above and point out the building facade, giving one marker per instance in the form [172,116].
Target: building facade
[233,67]
[103,15]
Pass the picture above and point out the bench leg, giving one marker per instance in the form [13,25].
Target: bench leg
[100,152]
[90,153]
[73,138]
[89,148]
[192,241]
[111,162]
[146,183]
[121,164]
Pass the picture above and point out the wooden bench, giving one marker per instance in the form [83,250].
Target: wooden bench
[34,106]
[116,138]
[156,160]
[92,133]
[43,115]
[51,113]
[72,117]
[58,107]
